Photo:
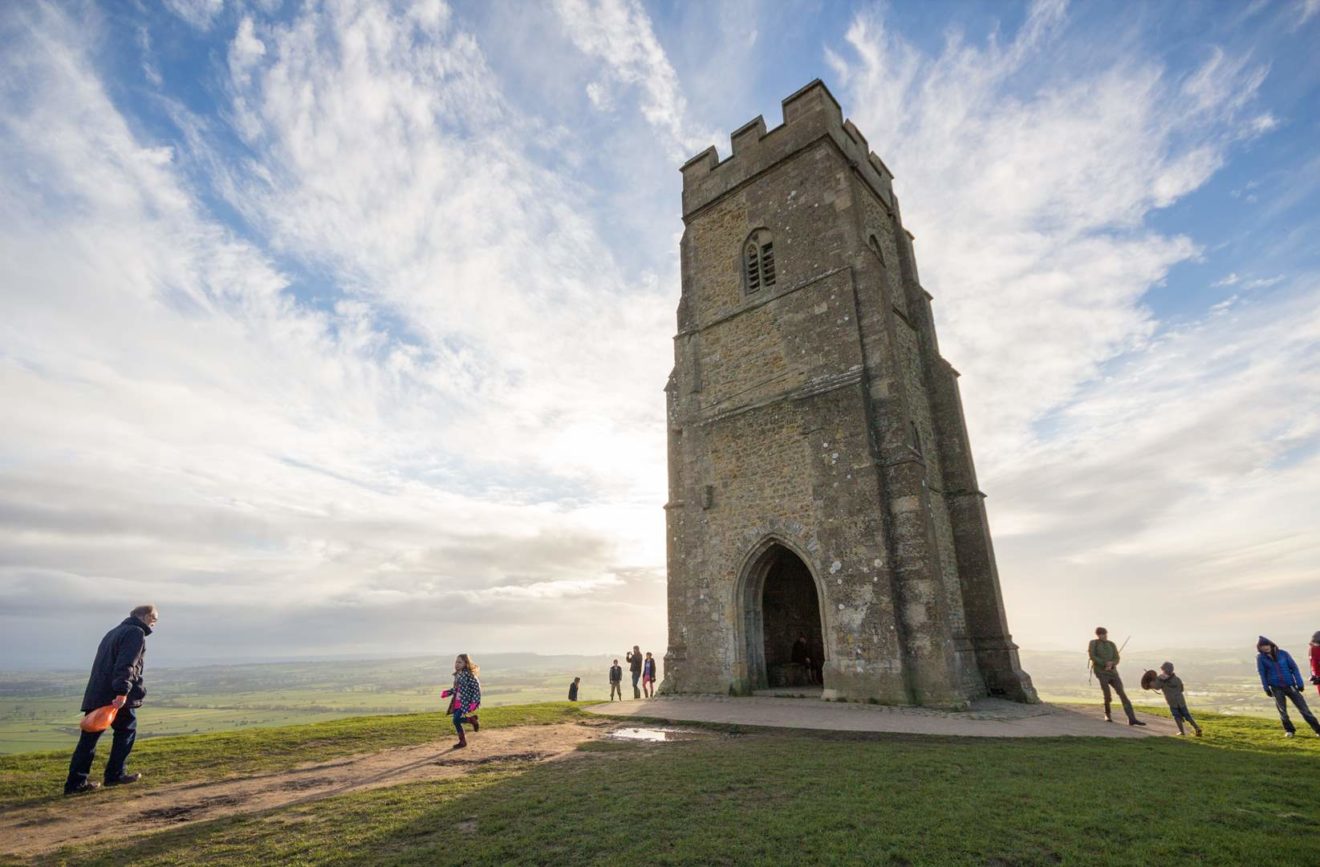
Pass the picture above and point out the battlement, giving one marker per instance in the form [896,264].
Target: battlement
[809,115]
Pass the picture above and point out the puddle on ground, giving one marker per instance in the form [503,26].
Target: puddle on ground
[651,734]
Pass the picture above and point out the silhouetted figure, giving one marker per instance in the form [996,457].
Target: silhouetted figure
[801,655]
[573,689]
[634,659]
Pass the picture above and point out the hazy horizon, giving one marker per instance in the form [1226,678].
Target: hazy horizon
[343,327]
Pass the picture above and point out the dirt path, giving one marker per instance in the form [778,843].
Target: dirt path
[86,818]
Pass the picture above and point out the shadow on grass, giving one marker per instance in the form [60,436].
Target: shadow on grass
[808,797]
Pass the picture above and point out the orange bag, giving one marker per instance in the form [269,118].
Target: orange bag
[99,720]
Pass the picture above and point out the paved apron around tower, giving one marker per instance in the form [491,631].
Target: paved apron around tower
[988,718]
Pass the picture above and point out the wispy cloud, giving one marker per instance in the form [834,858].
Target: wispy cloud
[455,411]
[1110,444]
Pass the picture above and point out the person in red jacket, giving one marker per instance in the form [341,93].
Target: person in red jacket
[1315,661]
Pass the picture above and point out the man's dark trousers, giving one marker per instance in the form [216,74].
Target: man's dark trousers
[636,676]
[125,729]
[1281,696]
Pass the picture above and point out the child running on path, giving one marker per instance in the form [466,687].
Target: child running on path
[464,697]
[1172,686]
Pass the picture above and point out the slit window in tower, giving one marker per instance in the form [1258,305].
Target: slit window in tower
[753,267]
[759,261]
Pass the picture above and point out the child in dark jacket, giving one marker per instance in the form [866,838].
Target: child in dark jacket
[464,697]
[1172,686]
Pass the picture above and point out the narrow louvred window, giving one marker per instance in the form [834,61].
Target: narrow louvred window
[758,261]
[753,268]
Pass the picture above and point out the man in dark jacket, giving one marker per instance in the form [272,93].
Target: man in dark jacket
[116,679]
[1282,681]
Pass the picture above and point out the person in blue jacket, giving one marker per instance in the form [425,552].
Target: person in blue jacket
[1282,681]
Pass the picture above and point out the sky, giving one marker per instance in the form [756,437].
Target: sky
[341,328]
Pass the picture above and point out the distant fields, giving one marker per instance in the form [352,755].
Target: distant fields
[39,710]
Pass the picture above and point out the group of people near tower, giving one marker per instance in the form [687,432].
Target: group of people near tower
[644,677]
[642,669]
[1280,677]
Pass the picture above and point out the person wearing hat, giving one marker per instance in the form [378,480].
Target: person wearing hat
[1282,681]
[1172,686]
[1103,654]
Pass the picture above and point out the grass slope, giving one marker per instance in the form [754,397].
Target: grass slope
[32,778]
[1240,795]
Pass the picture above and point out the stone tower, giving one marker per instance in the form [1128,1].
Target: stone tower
[820,479]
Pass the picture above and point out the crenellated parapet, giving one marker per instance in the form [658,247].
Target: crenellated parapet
[810,115]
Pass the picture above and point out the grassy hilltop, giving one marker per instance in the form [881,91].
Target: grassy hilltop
[39,710]
[1240,795]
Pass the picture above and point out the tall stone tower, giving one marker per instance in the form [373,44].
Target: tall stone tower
[821,489]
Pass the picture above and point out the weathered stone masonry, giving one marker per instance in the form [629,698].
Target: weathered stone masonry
[811,417]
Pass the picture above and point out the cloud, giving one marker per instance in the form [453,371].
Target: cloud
[1035,248]
[1119,451]
[204,426]
[620,35]
[199,14]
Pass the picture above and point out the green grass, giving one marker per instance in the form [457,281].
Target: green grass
[34,777]
[1240,795]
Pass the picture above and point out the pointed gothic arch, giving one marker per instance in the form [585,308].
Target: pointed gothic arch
[778,599]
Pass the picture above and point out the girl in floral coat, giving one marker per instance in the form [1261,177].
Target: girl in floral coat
[464,697]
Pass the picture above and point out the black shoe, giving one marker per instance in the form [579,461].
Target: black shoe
[82,788]
[1135,722]
[124,779]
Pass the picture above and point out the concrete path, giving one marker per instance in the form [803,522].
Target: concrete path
[988,718]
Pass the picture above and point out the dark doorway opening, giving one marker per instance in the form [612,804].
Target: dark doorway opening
[790,616]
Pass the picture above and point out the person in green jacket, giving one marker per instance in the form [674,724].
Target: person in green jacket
[1104,662]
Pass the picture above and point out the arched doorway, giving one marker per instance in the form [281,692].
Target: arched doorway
[780,606]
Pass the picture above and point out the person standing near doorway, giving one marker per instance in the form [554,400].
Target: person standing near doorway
[1103,655]
[635,666]
[116,679]
[616,681]
[1282,681]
